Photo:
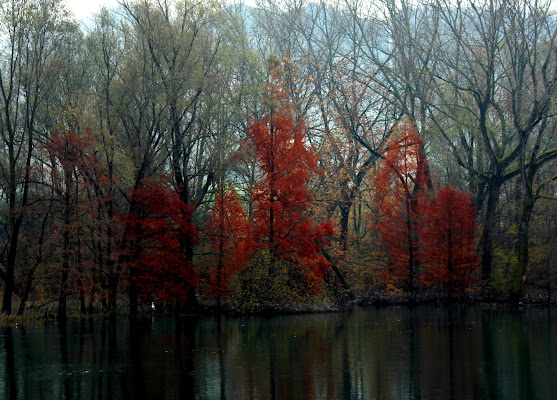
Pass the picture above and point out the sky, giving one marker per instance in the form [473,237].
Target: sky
[84,8]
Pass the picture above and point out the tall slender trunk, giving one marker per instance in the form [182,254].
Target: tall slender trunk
[132,289]
[187,247]
[27,283]
[272,192]
[9,283]
[221,248]
[62,301]
[527,174]
[111,265]
[15,221]
[486,241]
[124,257]
[80,282]
[519,276]
[412,268]
[523,256]
[344,207]
[25,294]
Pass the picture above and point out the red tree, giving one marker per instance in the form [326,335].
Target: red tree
[282,201]
[448,234]
[229,235]
[400,189]
[157,222]
[71,162]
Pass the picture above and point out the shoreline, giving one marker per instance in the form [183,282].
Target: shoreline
[376,299]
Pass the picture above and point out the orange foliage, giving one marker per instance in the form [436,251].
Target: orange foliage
[400,192]
[426,240]
[282,201]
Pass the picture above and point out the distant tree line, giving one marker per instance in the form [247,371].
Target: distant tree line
[183,152]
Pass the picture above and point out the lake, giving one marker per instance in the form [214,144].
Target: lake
[422,352]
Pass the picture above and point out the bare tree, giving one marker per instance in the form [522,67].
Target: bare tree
[531,83]
[496,78]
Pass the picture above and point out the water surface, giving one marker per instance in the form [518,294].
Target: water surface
[366,353]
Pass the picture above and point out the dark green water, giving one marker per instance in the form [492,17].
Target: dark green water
[373,353]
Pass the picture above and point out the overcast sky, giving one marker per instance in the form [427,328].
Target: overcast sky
[84,8]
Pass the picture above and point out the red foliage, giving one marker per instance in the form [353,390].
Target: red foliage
[401,193]
[69,148]
[158,222]
[448,234]
[229,234]
[281,197]
[72,163]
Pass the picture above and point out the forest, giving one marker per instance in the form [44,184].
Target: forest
[286,155]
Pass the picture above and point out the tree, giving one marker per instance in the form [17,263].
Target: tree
[229,235]
[333,88]
[492,106]
[399,38]
[33,38]
[530,81]
[105,47]
[281,221]
[160,221]
[400,190]
[448,235]
[71,163]
[352,115]
[189,50]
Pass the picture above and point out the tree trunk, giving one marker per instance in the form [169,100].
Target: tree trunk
[62,301]
[112,267]
[519,276]
[24,295]
[410,282]
[29,277]
[9,284]
[344,207]
[132,290]
[486,241]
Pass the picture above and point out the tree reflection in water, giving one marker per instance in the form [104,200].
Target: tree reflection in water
[387,353]
[10,387]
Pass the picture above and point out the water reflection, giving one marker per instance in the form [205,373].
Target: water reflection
[385,353]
